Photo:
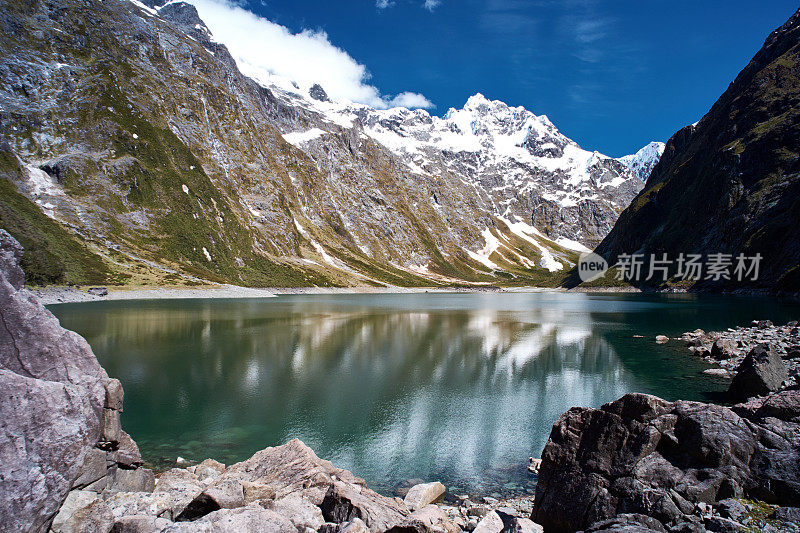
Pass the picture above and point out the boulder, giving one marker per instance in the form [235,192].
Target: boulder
[295,468]
[301,512]
[491,523]
[432,518]
[761,372]
[257,492]
[661,339]
[179,481]
[717,524]
[524,525]
[131,480]
[243,519]
[731,508]
[59,414]
[83,512]
[423,494]
[343,502]
[644,455]
[52,394]
[208,469]
[782,405]
[153,504]
[724,349]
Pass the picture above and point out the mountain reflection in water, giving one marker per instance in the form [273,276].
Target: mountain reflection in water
[461,388]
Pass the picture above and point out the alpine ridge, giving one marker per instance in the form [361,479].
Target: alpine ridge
[131,129]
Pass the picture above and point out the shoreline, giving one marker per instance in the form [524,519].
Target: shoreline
[60,294]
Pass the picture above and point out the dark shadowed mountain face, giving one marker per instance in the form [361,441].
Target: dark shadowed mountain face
[731,182]
[130,127]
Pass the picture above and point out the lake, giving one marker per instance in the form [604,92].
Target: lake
[460,388]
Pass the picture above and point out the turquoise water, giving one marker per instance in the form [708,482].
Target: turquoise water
[460,388]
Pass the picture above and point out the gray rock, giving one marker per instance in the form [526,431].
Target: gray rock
[209,468]
[152,504]
[761,372]
[83,512]
[294,467]
[140,524]
[52,392]
[628,523]
[112,427]
[663,459]
[491,523]
[318,93]
[524,525]
[179,481]
[243,519]
[94,467]
[723,525]
[732,509]
[127,453]
[115,395]
[344,502]
[228,493]
[432,518]
[10,256]
[257,491]
[787,514]
[301,512]
[724,349]
[98,291]
[423,494]
[132,480]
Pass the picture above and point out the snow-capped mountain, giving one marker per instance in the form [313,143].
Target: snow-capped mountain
[643,161]
[518,162]
[171,158]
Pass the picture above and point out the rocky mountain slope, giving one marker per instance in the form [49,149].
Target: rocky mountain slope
[132,129]
[731,183]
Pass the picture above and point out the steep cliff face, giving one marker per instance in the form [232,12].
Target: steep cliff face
[731,182]
[134,129]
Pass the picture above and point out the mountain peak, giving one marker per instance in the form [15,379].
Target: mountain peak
[642,162]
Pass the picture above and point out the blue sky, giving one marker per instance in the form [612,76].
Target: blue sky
[613,75]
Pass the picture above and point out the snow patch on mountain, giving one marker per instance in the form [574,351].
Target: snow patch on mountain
[302,137]
[642,162]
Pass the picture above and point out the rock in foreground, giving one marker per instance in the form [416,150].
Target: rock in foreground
[667,460]
[59,411]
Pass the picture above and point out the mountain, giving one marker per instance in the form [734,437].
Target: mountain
[643,161]
[731,183]
[129,127]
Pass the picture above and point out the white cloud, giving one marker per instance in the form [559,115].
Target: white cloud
[411,101]
[430,5]
[383,4]
[264,50]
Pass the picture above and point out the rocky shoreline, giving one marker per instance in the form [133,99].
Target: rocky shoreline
[728,349]
[637,464]
[57,294]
